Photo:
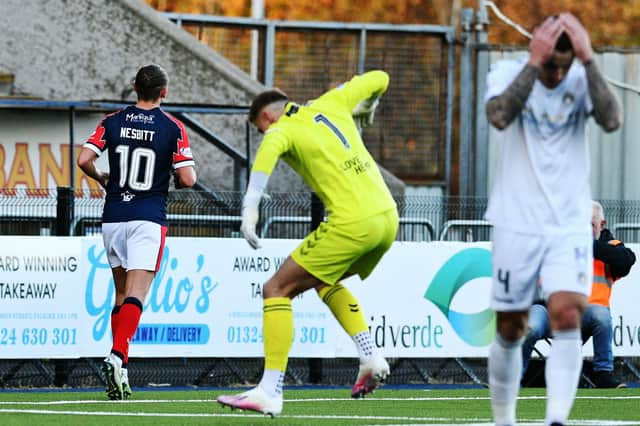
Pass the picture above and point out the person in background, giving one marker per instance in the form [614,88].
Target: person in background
[611,261]
[540,205]
[321,142]
[145,146]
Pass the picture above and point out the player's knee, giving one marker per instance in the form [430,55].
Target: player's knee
[565,310]
[274,288]
[511,326]
[566,318]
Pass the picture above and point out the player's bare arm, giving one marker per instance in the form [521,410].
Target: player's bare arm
[184,177]
[503,109]
[87,163]
[606,109]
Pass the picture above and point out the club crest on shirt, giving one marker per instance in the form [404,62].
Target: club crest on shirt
[568,98]
[127,196]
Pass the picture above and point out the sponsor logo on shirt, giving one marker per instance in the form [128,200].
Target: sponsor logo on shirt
[139,118]
[185,151]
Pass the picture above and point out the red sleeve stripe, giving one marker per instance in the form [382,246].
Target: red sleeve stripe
[183,141]
[183,130]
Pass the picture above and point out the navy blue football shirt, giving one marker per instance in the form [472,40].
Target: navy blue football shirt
[144,147]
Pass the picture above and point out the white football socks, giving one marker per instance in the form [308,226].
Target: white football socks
[505,366]
[562,373]
[271,383]
[365,347]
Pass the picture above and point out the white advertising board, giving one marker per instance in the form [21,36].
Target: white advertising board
[424,300]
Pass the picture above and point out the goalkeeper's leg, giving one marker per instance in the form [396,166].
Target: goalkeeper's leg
[345,307]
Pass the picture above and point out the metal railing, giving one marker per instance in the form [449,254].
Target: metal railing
[472,230]
[240,160]
[283,215]
[300,58]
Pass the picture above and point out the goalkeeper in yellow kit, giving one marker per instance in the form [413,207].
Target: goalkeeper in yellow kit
[321,141]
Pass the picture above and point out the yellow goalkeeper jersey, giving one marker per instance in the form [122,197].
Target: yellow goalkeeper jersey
[321,142]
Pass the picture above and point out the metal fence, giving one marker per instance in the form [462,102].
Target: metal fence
[282,215]
[217,214]
[306,59]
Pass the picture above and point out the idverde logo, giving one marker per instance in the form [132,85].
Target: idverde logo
[476,329]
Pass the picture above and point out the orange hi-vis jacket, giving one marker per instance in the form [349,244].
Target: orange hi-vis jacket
[602,281]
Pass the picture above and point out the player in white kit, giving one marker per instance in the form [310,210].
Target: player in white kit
[540,205]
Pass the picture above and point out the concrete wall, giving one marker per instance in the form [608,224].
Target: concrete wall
[91,49]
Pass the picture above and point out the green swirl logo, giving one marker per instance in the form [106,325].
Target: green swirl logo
[477,329]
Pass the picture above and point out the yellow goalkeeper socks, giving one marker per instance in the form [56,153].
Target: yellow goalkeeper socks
[345,308]
[278,332]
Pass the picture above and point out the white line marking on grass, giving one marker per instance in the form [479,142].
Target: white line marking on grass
[452,398]
[468,422]
[534,423]
[102,401]
[193,401]
[239,414]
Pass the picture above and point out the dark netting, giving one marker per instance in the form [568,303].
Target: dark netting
[407,137]
[217,372]
[408,134]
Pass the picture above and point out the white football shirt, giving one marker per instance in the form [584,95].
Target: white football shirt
[542,182]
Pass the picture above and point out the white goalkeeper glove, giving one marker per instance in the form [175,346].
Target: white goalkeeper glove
[250,204]
[250,217]
[364,112]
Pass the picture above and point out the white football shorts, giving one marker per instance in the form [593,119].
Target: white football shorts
[134,245]
[521,261]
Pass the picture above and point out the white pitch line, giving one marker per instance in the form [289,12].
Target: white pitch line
[468,421]
[453,398]
[444,398]
[306,417]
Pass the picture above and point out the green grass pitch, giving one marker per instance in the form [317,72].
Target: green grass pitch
[308,406]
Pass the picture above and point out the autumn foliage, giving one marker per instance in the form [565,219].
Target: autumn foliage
[408,138]
[611,23]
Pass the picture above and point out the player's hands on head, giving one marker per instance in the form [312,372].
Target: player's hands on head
[250,217]
[578,35]
[544,40]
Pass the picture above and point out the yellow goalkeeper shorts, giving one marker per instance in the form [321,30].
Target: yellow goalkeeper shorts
[333,251]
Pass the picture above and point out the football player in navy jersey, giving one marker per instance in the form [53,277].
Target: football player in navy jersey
[145,146]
